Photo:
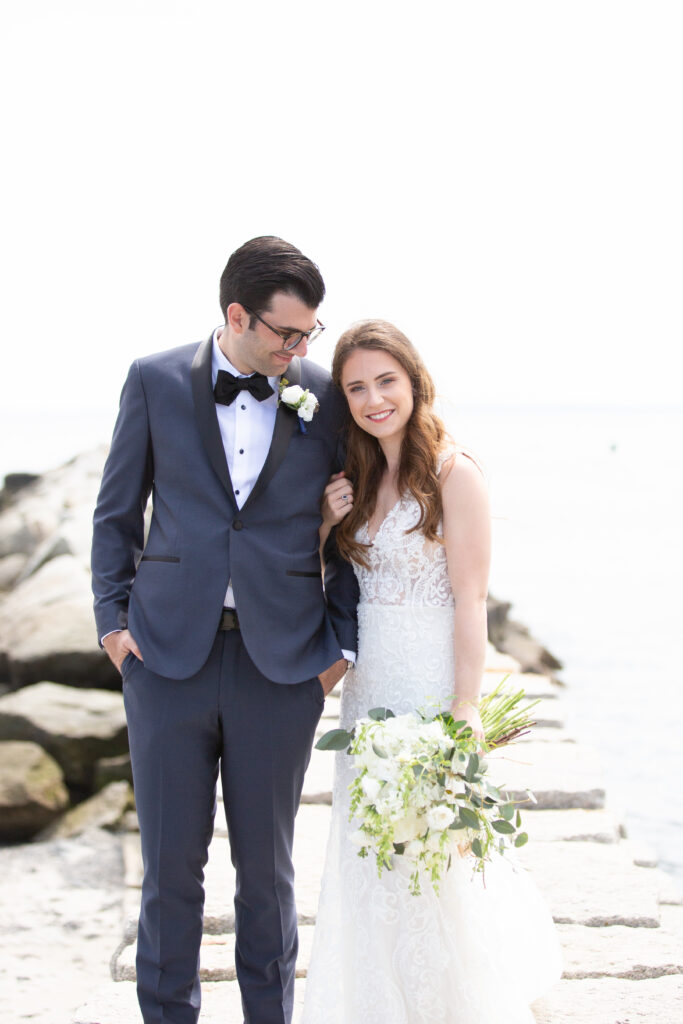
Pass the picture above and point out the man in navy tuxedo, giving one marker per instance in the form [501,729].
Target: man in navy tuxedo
[219,623]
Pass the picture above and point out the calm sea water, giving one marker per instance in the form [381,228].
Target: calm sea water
[587,510]
[587,544]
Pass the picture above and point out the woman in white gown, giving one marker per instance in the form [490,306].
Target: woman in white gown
[416,527]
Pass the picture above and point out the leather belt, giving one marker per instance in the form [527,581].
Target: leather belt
[229,620]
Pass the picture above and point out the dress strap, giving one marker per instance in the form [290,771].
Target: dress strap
[451,450]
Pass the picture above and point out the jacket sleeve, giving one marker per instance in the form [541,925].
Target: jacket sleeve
[118,522]
[341,593]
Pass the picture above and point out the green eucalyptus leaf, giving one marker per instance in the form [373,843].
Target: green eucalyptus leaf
[381,714]
[379,751]
[507,811]
[469,817]
[399,847]
[522,839]
[472,767]
[506,828]
[335,739]
[518,819]
[477,848]
[456,824]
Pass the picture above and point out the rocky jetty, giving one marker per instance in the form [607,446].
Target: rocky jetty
[71,894]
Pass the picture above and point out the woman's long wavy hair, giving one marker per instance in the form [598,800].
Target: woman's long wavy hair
[422,441]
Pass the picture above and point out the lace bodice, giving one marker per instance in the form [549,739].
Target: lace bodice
[404,568]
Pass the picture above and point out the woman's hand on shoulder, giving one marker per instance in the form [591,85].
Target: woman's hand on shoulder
[337,500]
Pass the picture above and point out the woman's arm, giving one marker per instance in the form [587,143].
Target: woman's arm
[467,537]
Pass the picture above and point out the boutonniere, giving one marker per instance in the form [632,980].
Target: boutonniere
[302,402]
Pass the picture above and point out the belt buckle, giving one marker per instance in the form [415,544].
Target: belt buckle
[229,620]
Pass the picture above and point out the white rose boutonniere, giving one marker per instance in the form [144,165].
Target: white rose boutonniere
[302,402]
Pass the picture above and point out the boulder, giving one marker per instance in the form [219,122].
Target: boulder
[113,769]
[104,810]
[514,639]
[32,790]
[11,567]
[47,629]
[77,727]
[23,526]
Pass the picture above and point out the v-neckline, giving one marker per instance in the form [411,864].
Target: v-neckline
[371,540]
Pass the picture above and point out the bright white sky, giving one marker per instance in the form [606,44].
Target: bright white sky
[503,180]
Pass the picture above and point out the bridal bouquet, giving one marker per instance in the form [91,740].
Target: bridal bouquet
[420,791]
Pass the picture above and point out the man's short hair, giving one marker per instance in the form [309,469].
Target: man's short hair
[265,265]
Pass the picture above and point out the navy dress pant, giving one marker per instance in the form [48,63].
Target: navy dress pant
[258,734]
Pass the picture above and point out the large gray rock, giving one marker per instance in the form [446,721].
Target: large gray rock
[47,629]
[24,525]
[11,567]
[107,809]
[77,727]
[32,790]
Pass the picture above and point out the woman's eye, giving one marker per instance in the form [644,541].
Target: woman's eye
[387,380]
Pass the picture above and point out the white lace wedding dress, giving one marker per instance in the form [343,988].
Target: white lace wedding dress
[474,954]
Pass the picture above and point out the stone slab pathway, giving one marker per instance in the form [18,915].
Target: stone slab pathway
[620,919]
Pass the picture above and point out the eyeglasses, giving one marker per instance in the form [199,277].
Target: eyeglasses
[290,339]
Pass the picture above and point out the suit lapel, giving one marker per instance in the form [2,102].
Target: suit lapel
[285,422]
[205,411]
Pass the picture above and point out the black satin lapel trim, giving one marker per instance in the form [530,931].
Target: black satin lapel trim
[205,411]
[286,420]
[293,373]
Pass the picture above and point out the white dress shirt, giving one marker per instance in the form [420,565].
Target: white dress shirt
[246,427]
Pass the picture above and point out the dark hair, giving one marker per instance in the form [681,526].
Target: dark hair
[422,442]
[265,265]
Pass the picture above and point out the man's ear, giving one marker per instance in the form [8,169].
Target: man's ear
[237,318]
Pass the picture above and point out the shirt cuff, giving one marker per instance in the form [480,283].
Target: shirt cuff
[349,655]
[110,633]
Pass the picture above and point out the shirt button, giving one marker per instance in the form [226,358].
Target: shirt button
[243,407]
[237,492]
[237,524]
[241,451]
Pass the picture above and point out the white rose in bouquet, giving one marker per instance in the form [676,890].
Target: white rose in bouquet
[440,817]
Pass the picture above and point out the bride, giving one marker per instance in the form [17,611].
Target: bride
[415,525]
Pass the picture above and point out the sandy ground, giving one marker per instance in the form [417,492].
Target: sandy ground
[61,918]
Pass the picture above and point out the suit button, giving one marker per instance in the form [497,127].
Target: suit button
[237,524]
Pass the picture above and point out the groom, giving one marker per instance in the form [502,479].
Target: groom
[218,622]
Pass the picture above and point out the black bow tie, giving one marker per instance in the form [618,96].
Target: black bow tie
[228,387]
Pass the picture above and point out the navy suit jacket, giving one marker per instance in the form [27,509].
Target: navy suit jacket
[170,595]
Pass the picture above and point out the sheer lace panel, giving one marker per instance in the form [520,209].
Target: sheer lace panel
[405,569]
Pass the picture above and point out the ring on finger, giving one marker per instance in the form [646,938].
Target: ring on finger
[345,498]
